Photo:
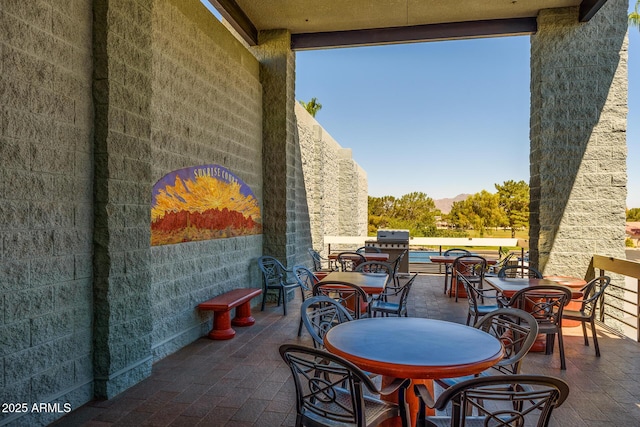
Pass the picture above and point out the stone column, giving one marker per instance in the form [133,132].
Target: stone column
[122,94]
[277,75]
[578,138]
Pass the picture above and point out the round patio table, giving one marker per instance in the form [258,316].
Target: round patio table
[416,348]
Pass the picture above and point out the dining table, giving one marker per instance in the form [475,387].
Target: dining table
[416,348]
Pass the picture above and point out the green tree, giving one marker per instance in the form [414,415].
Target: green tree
[633,215]
[415,212]
[634,17]
[312,106]
[514,200]
[479,211]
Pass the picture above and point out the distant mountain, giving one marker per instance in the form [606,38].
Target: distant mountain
[445,204]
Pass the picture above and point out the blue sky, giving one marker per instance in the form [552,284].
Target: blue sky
[442,118]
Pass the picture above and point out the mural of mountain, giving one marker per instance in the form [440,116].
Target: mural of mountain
[202,203]
[445,204]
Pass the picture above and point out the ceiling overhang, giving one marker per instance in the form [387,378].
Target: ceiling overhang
[339,23]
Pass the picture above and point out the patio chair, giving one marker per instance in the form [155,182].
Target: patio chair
[369,249]
[275,276]
[378,267]
[321,313]
[587,312]
[516,329]
[320,263]
[480,301]
[351,296]
[306,279]
[472,268]
[519,271]
[396,267]
[348,261]
[492,270]
[546,304]
[448,268]
[499,400]
[385,307]
[330,391]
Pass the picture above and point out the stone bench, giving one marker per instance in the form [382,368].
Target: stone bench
[221,307]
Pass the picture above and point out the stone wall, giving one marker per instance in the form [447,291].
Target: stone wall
[46,205]
[206,108]
[100,100]
[578,138]
[336,186]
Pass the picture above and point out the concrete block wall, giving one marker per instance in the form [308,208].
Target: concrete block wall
[46,203]
[206,108]
[336,187]
[578,138]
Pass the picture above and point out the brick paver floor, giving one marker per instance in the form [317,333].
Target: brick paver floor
[243,381]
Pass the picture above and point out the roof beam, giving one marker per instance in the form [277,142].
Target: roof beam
[588,8]
[240,22]
[417,33]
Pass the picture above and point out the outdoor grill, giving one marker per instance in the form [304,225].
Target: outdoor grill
[393,242]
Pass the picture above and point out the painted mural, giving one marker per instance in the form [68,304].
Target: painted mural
[202,203]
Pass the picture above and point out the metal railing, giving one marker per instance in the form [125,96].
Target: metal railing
[621,303]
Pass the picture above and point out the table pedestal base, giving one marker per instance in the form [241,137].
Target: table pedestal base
[411,398]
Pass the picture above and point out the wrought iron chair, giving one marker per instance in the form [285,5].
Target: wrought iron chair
[516,329]
[348,261]
[321,313]
[499,400]
[480,301]
[378,267]
[448,268]
[385,307]
[546,304]
[330,391]
[320,263]
[588,304]
[519,271]
[369,249]
[396,267]
[492,270]
[351,296]
[472,268]
[274,276]
[306,279]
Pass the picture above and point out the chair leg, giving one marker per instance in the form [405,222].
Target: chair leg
[584,333]
[300,328]
[284,301]
[595,337]
[264,299]
[563,365]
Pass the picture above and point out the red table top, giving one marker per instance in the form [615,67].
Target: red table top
[371,283]
[414,348]
[510,285]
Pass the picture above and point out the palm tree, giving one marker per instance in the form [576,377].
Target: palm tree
[314,106]
[634,17]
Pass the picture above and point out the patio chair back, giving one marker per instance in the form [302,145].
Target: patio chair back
[500,400]
[321,313]
[351,296]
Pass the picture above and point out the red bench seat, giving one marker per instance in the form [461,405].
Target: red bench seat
[221,307]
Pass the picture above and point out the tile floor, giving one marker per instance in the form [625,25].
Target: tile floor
[243,381]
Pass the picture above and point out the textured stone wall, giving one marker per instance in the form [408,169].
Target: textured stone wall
[206,108]
[336,187]
[46,220]
[578,138]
